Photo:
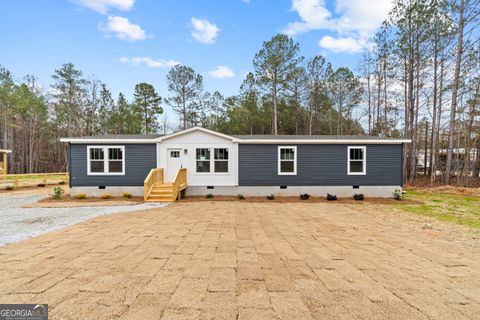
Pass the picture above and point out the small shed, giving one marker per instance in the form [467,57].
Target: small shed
[3,160]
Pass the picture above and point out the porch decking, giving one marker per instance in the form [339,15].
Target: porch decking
[157,190]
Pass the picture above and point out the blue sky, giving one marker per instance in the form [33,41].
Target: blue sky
[124,42]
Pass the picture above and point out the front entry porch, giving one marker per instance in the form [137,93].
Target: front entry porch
[156,189]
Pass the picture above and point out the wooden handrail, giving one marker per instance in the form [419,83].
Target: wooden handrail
[154,176]
[180,182]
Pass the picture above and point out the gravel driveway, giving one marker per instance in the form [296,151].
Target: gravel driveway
[17,223]
[240,261]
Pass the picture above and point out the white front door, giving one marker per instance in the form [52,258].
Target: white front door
[174,163]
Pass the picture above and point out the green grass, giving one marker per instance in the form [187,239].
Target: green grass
[35,178]
[459,209]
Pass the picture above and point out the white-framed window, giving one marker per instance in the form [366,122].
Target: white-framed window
[220,160]
[174,154]
[106,160]
[287,160]
[212,160]
[357,160]
[203,160]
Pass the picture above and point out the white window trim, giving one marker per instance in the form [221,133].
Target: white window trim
[105,161]
[364,148]
[212,162]
[196,161]
[294,173]
[221,160]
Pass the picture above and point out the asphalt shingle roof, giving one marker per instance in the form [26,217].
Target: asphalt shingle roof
[306,137]
[244,137]
[122,136]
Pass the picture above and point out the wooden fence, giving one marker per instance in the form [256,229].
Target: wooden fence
[33,179]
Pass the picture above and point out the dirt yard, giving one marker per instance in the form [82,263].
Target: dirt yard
[238,260]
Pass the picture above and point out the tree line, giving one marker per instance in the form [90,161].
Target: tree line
[418,79]
[422,82]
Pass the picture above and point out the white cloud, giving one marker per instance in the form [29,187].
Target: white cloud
[149,62]
[221,72]
[204,31]
[361,16]
[314,15]
[103,6]
[349,45]
[355,21]
[123,29]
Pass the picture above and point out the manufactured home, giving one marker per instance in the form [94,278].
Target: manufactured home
[198,161]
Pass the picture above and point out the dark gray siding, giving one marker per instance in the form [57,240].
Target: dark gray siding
[319,165]
[139,160]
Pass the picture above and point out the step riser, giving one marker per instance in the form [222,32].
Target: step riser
[162,192]
[166,199]
[160,197]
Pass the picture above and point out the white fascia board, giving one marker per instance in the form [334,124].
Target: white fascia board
[218,134]
[106,141]
[323,141]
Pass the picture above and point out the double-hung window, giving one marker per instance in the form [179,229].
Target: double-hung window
[357,161]
[106,160]
[208,164]
[96,160]
[203,160]
[287,160]
[221,160]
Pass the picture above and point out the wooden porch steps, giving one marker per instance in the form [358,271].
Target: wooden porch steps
[162,192]
[156,190]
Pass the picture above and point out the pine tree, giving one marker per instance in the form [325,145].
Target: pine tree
[274,65]
[186,90]
[147,104]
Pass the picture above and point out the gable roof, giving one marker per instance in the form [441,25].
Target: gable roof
[179,133]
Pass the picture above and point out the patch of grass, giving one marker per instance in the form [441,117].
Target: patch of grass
[36,177]
[9,187]
[127,195]
[271,197]
[81,196]
[209,196]
[458,209]
[106,196]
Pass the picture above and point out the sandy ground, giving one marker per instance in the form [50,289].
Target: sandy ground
[238,260]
